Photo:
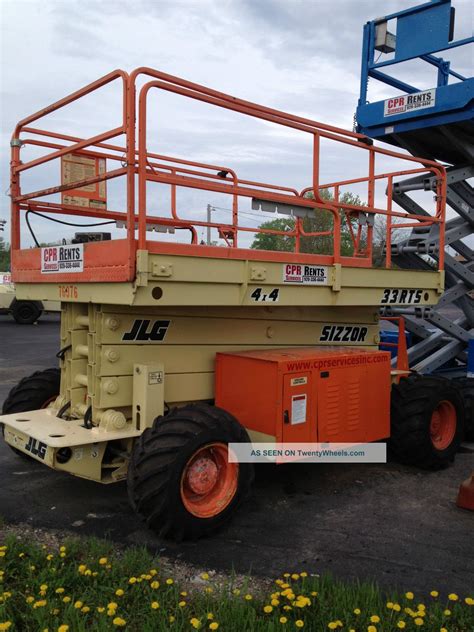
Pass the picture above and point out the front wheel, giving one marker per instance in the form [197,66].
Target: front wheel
[427,421]
[179,477]
[32,393]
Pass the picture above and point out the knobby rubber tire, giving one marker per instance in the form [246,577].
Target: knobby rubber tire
[159,458]
[413,401]
[32,393]
[25,312]
[466,388]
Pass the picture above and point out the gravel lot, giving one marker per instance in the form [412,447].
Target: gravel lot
[385,522]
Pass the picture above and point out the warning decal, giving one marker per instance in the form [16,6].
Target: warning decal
[69,258]
[298,409]
[305,274]
[409,102]
[79,167]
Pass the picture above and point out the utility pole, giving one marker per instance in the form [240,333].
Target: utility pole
[208,238]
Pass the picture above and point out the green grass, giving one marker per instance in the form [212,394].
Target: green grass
[43,589]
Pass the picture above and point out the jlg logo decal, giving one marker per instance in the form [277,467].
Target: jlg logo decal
[36,447]
[141,330]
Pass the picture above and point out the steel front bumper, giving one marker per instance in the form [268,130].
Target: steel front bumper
[49,439]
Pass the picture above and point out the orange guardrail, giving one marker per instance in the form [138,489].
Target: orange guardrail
[115,260]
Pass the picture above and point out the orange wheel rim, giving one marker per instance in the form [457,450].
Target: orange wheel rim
[443,425]
[209,481]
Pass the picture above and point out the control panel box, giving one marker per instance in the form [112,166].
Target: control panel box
[308,394]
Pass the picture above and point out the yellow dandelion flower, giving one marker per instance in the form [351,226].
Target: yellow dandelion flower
[401,625]
[357,611]
[397,607]
[82,568]
[30,599]
[154,605]
[100,609]
[155,585]
[453,597]
[443,630]
[182,604]
[469,601]
[248,597]
[183,593]
[132,580]
[447,613]
[275,602]
[85,609]
[286,575]
[78,605]
[210,616]
[418,621]
[62,554]
[375,619]
[304,574]
[40,604]
[389,605]
[209,590]
[62,549]
[112,605]
[434,593]
[59,590]
[21,555]
[169,581]
[196,623]
[49,557]
[295,576]
[63,628]
[283,620]
[118,621]
[314,593]
[332,625]
[5,625]
[205,576]
[409,595]
[236,592]
[103,561]
[268,609]
[88,572]
[66,599]
[120,592]
[299,623]
[213,626]
[171,619]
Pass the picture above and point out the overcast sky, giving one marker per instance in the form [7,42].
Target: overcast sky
[298,55]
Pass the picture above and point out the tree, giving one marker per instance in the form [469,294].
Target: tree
[321,222]
[4,256]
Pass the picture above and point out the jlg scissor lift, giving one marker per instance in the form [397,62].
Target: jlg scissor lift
[169,351]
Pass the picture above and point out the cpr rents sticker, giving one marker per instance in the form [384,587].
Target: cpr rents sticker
[409,102]
[68,258]
[305,274]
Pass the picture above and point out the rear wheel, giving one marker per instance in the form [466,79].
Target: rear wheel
[179,477]
[465,385]
[26,312]
[32,393]
[427,421]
